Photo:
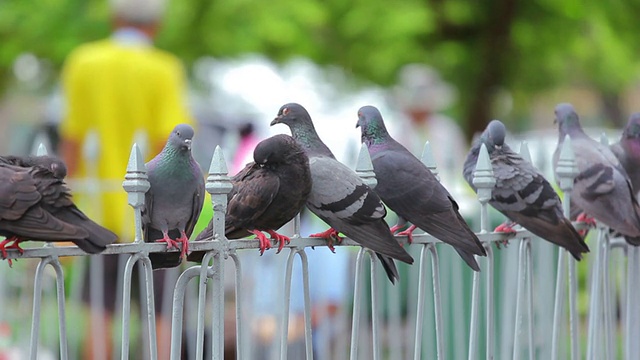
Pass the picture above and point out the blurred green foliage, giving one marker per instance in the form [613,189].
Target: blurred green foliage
[480,46]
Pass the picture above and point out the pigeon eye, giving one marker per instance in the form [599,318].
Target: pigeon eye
[178,133]
[285,111]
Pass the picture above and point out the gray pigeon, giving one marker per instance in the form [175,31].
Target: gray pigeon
[175,199]
[339,197]
[409,188]
[37,205]
[627,150]
[266,194]
[522,194]
[602,188]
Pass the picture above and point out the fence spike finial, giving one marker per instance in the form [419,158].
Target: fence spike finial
[218,164]
[218,185]
[136,184]
[524,151]
[429,160]
[364,167]
[567,169]
[42,150]
[483,178]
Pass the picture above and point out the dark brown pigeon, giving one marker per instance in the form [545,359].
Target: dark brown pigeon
[266,194]
[409,188]
[174,200]
[339,196]
[36,205]
[57,167]
[522,194]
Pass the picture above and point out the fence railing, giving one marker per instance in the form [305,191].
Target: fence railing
[514,326]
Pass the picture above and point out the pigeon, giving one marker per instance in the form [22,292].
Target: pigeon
[339,196]
[36,205]
[266,194]
[602,187]
[409,188]
[57,167]
[175,198]
[522,194]
[627,150]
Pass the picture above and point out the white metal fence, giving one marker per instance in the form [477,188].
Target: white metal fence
[514,308]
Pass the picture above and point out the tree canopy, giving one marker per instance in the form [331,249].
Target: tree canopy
[482,47]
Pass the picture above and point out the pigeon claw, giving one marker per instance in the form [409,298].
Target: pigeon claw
[184,239]
[330,236]
[264,242]
[281,239]
[588,220]
[395,228]
[506,227]
[170,242]
[4,245]
[408,233]
[583,217]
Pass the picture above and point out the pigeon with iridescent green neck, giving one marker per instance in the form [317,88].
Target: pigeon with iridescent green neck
[175,198]
[339,196]
[409,188]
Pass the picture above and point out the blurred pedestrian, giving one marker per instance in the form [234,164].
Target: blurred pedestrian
[122,90]
[421,96]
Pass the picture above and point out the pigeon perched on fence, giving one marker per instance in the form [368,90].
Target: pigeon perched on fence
[602,188]
[57,167]
[36,205]
[175,198]
[522,194]
[339,196]
[409,188]
[627,150]
[266,194]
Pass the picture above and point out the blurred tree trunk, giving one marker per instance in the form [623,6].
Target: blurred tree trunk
[611,109]
[491,74]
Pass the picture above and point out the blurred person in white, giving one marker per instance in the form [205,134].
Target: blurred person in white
[420,96]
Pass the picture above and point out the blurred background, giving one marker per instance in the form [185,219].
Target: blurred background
[439,70]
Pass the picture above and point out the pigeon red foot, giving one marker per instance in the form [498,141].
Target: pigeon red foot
[588,220]
[183,239]
[265,243]
[408,233]
[330,235]
[281,239]
[16,245]
[507,228]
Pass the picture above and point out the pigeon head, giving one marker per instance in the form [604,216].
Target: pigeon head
[632,130]
[276,150]
[55,165]
[493,136]
[294,115]
[566,118]
[371,124]
[181,137]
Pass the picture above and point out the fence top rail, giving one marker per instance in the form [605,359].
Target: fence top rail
[246,243]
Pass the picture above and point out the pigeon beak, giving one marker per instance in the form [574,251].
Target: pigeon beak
[187,143]
[276,120]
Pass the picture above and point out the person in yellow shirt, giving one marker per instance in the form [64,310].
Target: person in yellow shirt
[116,90]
